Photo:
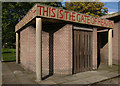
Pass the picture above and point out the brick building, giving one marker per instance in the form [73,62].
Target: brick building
[103,43]
[56,41]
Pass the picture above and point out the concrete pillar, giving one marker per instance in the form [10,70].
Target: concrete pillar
[94,52]
[17,47]
[110,47]
[38,49]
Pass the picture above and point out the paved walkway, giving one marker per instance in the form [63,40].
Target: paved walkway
[110,81]
[0,73]
[13,73]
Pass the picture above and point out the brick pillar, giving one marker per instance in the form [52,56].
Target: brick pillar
[38,49]
[94,58]
[17,47]
[110,47]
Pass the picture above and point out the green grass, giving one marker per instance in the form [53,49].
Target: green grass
[8,54]
[6,50]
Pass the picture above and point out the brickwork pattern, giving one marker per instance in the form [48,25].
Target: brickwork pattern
[104,54]
[27,48]
[119,41]
[104,50]
[115,44]
[63,50]
[45,53]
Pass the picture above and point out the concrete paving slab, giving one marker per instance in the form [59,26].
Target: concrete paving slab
[82,75]
[89,80]
[8,76]
[0,73]
[60,80]
[103,72]
[110,74]
[15,74]
[95,79]
[77,82]
[71,78]
[46,82]
[10,80]
[24,80]
[111,81]
[18,73]
[94,72]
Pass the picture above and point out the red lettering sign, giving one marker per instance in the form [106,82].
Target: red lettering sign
[49,12]
[105,23]
[66,14]
[95,20]
[57,13]
[78,19]
[53,9]
[102,22]
[99,22]
[61,13]
[87,19]
[70,15]
[52,12]
[73,16]
[45,11]
[40,9]
[83,18]
[92,20]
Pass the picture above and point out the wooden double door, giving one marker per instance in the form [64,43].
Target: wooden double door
[82,53]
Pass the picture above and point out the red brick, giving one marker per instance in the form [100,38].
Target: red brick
[62,57]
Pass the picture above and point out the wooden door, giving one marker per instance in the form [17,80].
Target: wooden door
[82,55]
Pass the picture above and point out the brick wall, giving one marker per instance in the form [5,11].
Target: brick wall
[104,50]
[27,48]
[119,42]
[45,53]
[104,54]
[63,50]
[115,44]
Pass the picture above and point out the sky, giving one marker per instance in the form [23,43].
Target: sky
[112,7]
[109,0]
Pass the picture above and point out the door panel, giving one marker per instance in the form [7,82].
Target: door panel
[82,59]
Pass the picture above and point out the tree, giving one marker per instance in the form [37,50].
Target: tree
[90,8]
[12,13]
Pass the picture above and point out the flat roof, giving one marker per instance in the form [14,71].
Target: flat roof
[115,17]
[111,15]
[45,11]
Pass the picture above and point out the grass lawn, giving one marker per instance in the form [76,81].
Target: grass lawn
[8,54]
